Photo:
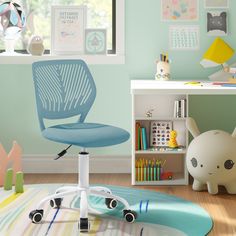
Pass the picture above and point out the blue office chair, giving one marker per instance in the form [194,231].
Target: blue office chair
[65,88]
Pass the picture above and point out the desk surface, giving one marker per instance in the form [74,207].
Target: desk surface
[179,87]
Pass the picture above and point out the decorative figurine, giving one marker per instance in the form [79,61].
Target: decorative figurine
[149,113]
[163,68]
[173,142]
[35,46]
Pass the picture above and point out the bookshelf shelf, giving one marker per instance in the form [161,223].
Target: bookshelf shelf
[150,151]
[159,118]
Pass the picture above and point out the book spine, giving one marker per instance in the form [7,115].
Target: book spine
[139,139]
[175,108]
[179,109]
[185,108]
[182,108]
[144,138]
[136,136]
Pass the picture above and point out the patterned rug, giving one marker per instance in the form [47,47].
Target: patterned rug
[158,214]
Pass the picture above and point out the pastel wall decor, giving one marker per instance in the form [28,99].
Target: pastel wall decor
[217,23]
[95,41]
[179,10]
[12,158]
[216,3]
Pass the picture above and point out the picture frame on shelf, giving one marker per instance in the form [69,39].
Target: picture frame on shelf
[220,4]
[95,41]
[160,133]
[67,29]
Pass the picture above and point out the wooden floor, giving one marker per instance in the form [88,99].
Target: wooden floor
[221,207]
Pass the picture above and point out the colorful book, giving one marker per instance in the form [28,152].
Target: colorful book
[137,141]
[144,138]
[140,138]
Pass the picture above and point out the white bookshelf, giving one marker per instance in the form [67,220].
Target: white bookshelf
[160,96]
[163,110]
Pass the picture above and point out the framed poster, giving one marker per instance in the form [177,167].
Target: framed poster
[217,23]
[217,4]
[179,10]
[160,133]
[67,29]
[95,41]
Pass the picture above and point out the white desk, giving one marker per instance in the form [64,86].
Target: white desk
[178,87]
[161,96]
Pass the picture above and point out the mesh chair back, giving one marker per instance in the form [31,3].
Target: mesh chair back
[63,88]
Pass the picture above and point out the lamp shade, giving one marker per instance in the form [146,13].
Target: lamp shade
[218,53]
[12,19]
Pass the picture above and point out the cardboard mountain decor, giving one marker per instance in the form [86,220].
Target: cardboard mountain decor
[14,175]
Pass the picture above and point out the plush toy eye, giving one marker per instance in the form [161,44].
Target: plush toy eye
[229,164]
[194,162]
[201,165]
[218,167]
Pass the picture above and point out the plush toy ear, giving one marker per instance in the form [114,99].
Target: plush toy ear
[234,133]
[192,127]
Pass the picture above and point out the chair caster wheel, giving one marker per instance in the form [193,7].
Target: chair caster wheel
[36,216]
[56,202]
[129,215]
[110,203]
[84,225]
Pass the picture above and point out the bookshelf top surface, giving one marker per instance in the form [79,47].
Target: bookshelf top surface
[179,87]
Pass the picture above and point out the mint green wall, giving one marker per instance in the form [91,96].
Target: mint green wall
[146,38]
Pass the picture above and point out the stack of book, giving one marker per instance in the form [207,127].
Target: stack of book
[180,108]
[151,170]
[140,137]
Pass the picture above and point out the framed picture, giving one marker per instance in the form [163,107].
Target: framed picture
[217,23]
[217,4]
[160,133]
[184,37]
[95,41]
[179,10]
[67,29]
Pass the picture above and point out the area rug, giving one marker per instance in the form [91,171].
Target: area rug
[158,214]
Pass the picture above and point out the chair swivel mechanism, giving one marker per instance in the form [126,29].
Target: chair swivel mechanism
[64,89]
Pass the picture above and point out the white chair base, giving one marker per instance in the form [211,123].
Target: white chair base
[83,191]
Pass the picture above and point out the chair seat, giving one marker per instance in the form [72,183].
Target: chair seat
[86,134]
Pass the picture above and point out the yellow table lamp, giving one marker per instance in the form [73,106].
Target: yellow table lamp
[218,54]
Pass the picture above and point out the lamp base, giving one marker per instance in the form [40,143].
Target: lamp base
[221,75]
[9,47]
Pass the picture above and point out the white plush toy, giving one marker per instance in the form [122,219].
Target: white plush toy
[211,158]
